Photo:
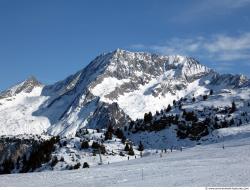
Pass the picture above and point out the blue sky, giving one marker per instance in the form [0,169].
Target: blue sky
[52,39]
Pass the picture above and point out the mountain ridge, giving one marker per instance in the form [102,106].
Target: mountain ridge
[135,82]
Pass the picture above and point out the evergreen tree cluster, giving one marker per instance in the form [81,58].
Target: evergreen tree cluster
[96,147]
[40,153]
[109,133]
[148,117]
[82,132]
[190,124]
[118,132]
[7,166]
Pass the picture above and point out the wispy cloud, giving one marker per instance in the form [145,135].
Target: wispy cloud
[217,47]
[204,8]
[227,48]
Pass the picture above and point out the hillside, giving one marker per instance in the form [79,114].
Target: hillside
[209,165]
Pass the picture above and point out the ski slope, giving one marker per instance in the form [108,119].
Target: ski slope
[203,165]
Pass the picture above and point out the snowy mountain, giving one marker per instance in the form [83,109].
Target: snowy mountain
[120,102]
[26,86]
[113,88]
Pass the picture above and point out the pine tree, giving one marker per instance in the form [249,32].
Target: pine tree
[174,102]
[86,131]
[140,147]
[205,97]
[211,92]
[233,108]
[85,145]
[54,161]
[77,166]
[108,134]
[193,99]
[157,113]
[131,151]
[224,124]
[126,147]
[95,145]
[119,133]
[85,165]
[168,108]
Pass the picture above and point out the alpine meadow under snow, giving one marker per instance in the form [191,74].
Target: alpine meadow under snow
[171,121]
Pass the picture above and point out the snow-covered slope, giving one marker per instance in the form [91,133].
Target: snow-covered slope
[114,88]
[209,165]
[17,106]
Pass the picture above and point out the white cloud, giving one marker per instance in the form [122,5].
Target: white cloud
[217,47]
[227,43]
[204,8]
[228,48]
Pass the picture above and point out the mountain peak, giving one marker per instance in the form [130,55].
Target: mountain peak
[32,80]
[26,86]
[176,59]
[124,64]
[118,50]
